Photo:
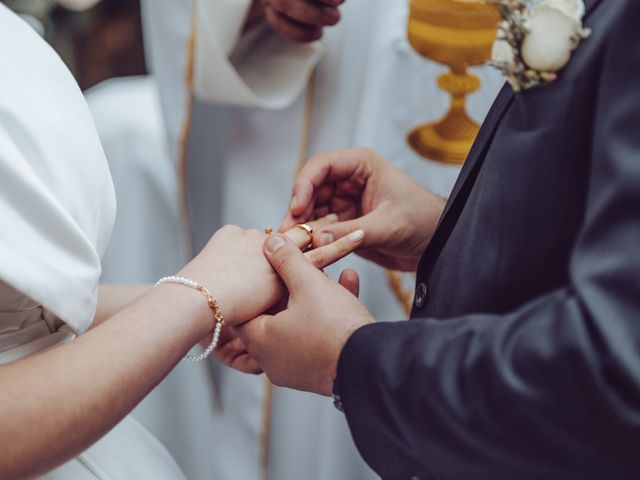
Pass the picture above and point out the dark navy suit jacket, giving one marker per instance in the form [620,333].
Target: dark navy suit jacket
[522,359]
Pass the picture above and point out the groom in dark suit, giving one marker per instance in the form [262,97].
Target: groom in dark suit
[522,358]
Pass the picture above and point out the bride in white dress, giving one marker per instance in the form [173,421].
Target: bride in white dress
[63,396]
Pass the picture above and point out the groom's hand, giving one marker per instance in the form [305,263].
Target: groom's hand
[231,350]
[301,20]
[300,346]
[398,215]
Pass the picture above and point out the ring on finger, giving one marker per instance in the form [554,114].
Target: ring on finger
[307,229]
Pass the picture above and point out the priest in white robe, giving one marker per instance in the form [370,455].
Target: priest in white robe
[262,103]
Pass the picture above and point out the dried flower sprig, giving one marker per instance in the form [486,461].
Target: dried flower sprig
[535,39]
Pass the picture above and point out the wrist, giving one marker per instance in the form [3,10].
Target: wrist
[327,389]
[189,310]
[214,285]
[354,356]
[433,208]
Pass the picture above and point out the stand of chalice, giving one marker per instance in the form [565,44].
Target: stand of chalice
[459,34]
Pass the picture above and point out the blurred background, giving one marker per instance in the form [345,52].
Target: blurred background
[97,40]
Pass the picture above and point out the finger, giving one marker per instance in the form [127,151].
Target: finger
[246,364]
[290,263]
[230,350]
[309,213]
[252,334]
[289,221]
[292,30]
[350,280]
[236,356]
[372,224]
[309,12]
[323,168]
[329,254]
[301,237]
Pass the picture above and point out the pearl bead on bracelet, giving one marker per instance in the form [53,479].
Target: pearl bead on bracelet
[213,305]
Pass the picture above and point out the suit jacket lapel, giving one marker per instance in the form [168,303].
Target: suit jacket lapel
[589,6]
[491,122]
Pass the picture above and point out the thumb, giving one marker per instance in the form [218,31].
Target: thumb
[290,263]
[371,224]
[253,333]
[350,280]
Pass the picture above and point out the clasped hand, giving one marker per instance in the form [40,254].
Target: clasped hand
[356,201]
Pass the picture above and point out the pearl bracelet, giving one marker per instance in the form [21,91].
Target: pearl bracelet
[213,305]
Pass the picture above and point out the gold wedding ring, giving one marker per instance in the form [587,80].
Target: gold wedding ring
[307,229]
[268,230]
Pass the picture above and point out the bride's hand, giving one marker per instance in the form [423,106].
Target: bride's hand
[234,269]
[232,353]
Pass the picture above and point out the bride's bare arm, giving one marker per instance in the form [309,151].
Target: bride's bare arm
[113,298]
[55,404]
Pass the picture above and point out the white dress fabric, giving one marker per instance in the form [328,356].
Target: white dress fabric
[371,89]
[57,206]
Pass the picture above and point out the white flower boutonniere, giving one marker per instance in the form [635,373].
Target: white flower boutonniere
[535,39]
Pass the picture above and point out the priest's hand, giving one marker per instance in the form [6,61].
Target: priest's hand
[301,20]
[398,215]
[300,346]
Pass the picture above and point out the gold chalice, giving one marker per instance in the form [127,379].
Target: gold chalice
[459,34]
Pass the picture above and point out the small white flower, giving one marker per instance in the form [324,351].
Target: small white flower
[552,36]
[536,39]
[574,8]
[502,53]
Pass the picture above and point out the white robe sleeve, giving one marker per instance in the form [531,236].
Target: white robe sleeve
[258,69]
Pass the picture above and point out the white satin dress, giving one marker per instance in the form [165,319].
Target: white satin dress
[57,208]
